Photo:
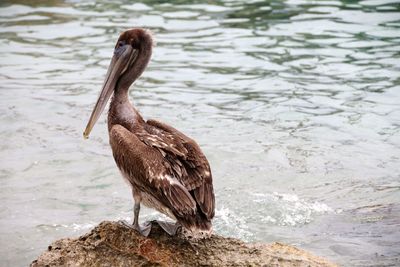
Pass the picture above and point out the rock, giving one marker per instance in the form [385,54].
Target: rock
[113,244]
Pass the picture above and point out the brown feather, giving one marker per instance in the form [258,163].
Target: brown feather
[196,165]
[132,157]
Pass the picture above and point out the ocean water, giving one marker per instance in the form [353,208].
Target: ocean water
[295,103]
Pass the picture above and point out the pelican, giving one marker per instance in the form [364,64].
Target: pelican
[166,170]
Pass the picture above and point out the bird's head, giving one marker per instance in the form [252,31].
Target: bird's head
[131,55]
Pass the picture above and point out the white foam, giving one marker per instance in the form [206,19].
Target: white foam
[84,226]
[287,209]
[226,222]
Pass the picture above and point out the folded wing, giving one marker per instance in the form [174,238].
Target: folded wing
[144,168]
[168,164]
[188,163]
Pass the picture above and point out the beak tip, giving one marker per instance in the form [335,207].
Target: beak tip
[85,135]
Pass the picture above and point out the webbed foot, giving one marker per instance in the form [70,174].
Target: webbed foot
[143,229]
[169,227]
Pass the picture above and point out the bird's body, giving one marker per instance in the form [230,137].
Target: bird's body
[166,170]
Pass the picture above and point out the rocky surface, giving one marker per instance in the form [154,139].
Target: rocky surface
[113,244]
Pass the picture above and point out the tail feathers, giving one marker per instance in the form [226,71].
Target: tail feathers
[197,229]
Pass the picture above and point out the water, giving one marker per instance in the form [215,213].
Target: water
[296,104]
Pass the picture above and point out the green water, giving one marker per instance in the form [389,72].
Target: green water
[295,103]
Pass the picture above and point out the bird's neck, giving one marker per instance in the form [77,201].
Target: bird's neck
[122,111]
[120,96]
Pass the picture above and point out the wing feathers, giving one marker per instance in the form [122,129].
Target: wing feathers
[204,195]
[181,198]
[182,160]
[188,165]
[140,162]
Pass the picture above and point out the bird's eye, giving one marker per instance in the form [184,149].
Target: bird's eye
[118,48]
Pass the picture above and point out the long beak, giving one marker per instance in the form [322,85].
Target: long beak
[118,65]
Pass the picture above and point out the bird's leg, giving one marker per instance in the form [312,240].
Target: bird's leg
[170,228]
[136,210]
[142,229]
[146,227]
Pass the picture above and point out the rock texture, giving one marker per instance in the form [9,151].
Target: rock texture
[113,244]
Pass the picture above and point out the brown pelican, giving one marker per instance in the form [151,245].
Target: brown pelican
[166,170]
